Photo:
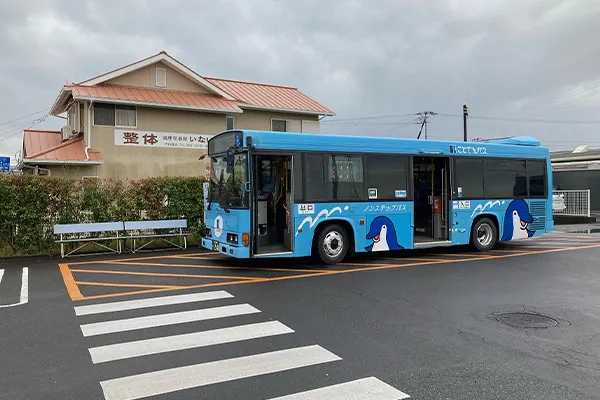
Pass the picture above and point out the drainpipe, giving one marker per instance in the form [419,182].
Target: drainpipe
[89,131]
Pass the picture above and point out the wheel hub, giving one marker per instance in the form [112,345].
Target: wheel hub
[333,243]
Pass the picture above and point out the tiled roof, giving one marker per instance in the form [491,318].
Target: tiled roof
[269,96]
[152,96]
[555,155]
[48,145]
[227,94]
[36,141]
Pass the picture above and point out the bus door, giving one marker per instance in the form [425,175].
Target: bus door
[273,208]
[431,183]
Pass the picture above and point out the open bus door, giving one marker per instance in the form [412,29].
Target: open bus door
[432,218]
[272,204]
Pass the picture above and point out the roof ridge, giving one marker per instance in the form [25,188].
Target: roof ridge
[58,146]
[41,130]
[149,89]
[124,66]
[250,83]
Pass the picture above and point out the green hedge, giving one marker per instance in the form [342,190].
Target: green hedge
[31,205]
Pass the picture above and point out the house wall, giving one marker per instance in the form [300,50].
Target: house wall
[146,78]
[136,162]
[67,171]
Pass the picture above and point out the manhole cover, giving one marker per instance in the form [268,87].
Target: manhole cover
[526,320]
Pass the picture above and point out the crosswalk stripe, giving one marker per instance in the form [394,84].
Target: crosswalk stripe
[130,324]
[361,389]
[139,348]
[151,302]
[192,376]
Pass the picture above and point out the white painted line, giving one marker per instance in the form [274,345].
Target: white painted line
[24,298]
[130,324]
[180,378]
[150,302]
[25,286]
[139,348]
[1,274]
[361,389]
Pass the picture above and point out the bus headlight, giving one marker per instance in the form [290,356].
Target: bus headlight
[232,238]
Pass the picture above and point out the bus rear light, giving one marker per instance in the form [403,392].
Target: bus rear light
[246,239]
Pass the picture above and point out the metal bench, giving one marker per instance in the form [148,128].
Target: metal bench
[135,229]
[87,229]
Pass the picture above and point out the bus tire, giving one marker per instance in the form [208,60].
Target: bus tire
[332,244]
[484,234]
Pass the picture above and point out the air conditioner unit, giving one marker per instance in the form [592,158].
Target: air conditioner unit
[66,132]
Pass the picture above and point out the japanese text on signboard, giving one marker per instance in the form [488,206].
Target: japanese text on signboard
[160,139]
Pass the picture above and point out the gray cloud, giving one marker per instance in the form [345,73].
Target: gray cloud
[534,59]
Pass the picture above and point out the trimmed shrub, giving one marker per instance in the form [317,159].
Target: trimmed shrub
[31,205]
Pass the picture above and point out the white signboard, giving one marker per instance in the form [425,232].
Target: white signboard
[131,137]
[306,208]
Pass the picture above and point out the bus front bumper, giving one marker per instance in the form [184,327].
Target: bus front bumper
[226,249]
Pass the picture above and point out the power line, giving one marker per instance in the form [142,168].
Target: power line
[532,120]
[33,123]
[23,117]
[368,118]
[424,117]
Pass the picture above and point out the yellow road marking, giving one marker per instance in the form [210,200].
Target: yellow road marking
[120,294]
[222,267]
[72,287]
[351,270]
[201,255]
[102,271]
[129,285]
[455,255]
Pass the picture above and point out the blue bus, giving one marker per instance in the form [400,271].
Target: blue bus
[274,194]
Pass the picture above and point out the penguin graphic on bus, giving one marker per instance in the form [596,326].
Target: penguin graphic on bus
[516,221]
[383,234]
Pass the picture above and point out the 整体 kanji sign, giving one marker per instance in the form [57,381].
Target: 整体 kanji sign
[126,137]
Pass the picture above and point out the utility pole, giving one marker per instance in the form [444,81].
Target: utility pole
[465,114]
[424,119]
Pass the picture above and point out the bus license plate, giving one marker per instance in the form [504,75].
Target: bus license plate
[215,245]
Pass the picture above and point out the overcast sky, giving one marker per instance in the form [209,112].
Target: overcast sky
[535,59]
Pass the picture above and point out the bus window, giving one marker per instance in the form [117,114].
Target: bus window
[388,174]
[505,179]
[313,177]
[468,175]
[537,178]
[344,179]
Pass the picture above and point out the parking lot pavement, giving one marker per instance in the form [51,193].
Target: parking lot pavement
[420,325]
[88,280]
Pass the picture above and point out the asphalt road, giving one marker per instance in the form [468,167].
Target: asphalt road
[418,324]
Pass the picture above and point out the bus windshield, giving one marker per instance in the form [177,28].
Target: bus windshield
[228,188]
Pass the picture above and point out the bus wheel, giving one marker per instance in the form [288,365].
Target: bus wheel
[483,234]
[332,244]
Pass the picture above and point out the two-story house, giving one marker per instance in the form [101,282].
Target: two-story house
[154,117]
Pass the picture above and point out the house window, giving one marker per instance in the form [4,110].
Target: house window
[115,115]
[278,125]
[228,123]
[161,77]
[104,114]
